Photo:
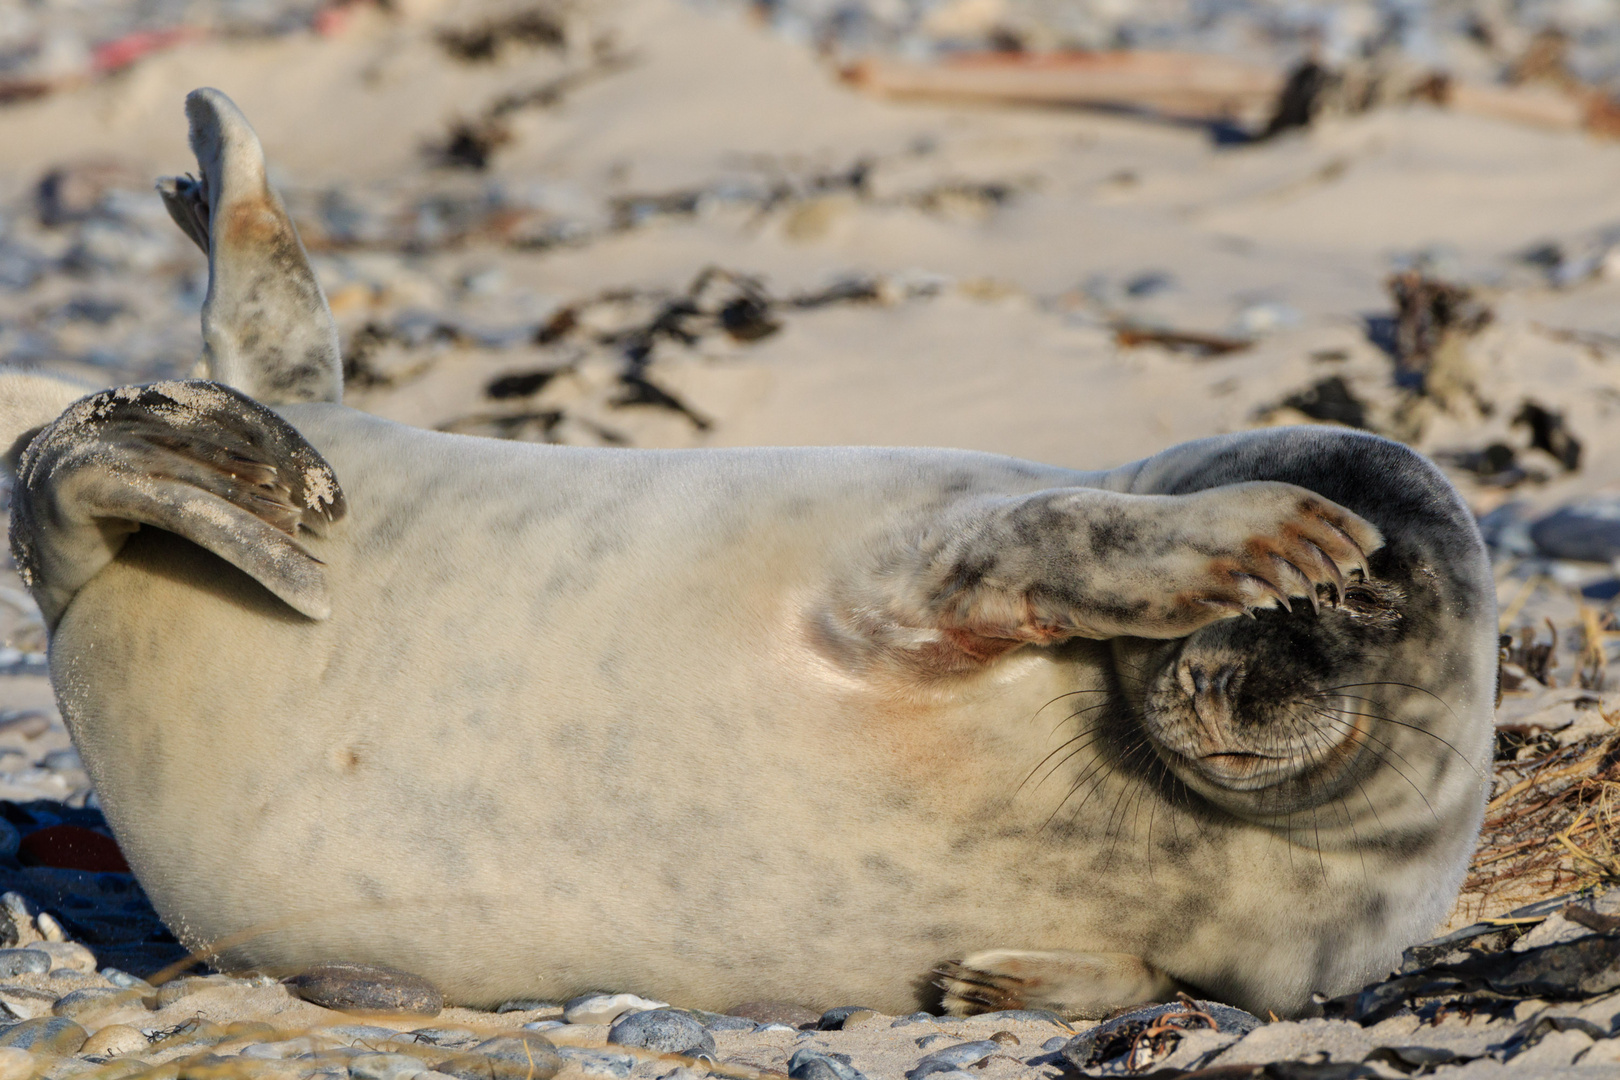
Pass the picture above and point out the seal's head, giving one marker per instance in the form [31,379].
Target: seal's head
[1379,688]
[1272,714]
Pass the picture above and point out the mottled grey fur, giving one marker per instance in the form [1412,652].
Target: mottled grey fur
[821,725]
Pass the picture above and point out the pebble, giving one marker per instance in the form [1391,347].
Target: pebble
[386,1067]
[952,1058]
[810,1064]
[93,999]
[526,1055]
[599,1062]
[1585,531]
[18,1064]
[664,1030]
[722,1022]
[69,955]
[833,1019]
[914,1018]
[45,1035]
[125,981]
[367,988]
[116,1040]
[606,1008]
[23,962]
[775,1012]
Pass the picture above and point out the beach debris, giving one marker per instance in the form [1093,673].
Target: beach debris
[1549,433]
[536,27]
[1329,400]
[1495,465]
[1194,343]
[1180,86]
[1151,1036]
[1433,318]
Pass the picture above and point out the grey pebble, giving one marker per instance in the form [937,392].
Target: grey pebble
[385,1067]
[665,1030]
[606,1008]
[1586,531]
[952,1058]
[599,1062]
[776,1027]
[808,1064]
[438,1036]
[23,962]
[367,988]
[833,1019]
[934,1040]
[722,1022]
[45,1035]
[506,1057]
[89,999]
[914,1018]
[775,1012]
[1056,1042]
[124,980]
[355,1033]
[544,1025]
[524,1005]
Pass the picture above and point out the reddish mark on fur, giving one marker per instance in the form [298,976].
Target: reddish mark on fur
[253,221]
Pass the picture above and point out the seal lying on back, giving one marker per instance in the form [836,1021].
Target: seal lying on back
[819,725]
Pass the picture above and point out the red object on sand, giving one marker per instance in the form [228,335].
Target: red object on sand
[72,847]
[124,51]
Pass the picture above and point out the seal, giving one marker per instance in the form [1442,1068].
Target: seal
[823,725]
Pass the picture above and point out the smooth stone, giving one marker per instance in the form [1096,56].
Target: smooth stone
[524,1005]
[125,981]
[45,1035]
[23,962]
[93,999]
[544,1025]
[952,1058]
[386,1067]
[349,1034]
[275,1051]
[197,1032]
[722,1022]
[602,1063]
[606,1008]
[242,1029]
[808,1064]
[175,989]
[115,1040]
[1055,1043]
[17,1064]
[1585,531]
[506,1057]
[833,1019]
[935,1039]
[367,988]
[775,1012]
[777,1027]
[664,1030]
[914,1018]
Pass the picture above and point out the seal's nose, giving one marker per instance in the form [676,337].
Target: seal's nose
[1211,683]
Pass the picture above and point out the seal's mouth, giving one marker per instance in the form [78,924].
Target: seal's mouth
[1243,770]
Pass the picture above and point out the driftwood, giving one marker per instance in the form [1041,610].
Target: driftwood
[1177,85]
[1203,88]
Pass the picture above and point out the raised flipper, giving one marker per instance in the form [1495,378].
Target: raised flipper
[267,329]
[1075,985]
[195,458]
[994,574]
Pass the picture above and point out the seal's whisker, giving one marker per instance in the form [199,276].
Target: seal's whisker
[1390,747]
[1413,727]
[1393,682]
[1087,733]
[1078,712]
[1060,697]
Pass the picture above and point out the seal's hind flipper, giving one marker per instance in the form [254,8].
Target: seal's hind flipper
[266,327]
[1075,985]
[195,458]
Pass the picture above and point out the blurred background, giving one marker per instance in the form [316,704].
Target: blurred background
[1071,230]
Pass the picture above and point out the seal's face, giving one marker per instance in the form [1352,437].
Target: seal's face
[1268,715]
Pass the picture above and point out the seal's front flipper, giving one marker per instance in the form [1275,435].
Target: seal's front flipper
[195,458]
[1075,985]
[267,329]
[990,575]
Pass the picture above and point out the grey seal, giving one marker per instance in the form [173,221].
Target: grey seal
[826,725]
